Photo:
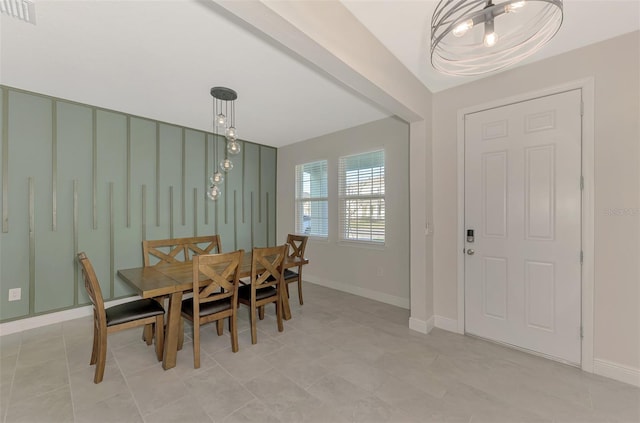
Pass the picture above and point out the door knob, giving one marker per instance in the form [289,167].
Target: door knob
[470,251]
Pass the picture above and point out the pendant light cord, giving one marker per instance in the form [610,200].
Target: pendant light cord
[215,135]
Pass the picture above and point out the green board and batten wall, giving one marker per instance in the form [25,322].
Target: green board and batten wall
[82,178]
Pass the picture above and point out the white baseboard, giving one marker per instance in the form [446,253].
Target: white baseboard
[446,323]
[419,325]
[56,317]
[617,371]
[362,292]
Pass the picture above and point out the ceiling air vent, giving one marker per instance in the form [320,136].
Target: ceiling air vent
[24,10]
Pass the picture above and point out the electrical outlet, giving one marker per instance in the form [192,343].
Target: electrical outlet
[15,294]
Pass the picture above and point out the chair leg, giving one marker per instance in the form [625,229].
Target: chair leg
[233,322]
[286,288]
[300,289]
[180,334]
[159,337]
[254,332]
[147,333]
[261,312]
[279,315]
[196,343]
[94,351]
[101,357]
[220,326]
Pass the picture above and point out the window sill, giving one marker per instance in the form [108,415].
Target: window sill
[362,244]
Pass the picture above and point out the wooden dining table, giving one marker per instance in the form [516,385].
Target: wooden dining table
[174,280]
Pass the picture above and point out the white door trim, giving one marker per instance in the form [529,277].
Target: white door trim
[587,87]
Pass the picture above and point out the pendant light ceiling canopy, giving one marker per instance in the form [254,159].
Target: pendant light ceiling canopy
[472,37]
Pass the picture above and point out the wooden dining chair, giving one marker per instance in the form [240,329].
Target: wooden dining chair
[215,297]
[297,245]
[117,318]
[156,252]
[266,284]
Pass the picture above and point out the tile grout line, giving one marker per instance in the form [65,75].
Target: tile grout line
[233,377]
[66,356]
[215,364]
[13,378]
[126,382]
[590,397]
[6,412]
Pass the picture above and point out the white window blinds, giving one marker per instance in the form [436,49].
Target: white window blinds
[312,217]
[361,185]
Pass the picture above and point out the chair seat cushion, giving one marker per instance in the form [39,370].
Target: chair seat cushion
[134,310]
[206,308]
[244,292]
[287,274]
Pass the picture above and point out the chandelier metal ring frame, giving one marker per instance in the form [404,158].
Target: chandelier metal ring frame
[223,117]
[472,37]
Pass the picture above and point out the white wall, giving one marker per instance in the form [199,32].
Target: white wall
[421,170]
[614,65]
[378,273]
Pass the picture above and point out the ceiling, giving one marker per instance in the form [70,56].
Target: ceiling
[404,28]
[159,59]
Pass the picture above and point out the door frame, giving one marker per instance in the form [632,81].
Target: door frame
[588,207]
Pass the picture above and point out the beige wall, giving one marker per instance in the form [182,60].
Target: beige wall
[614,65]
[378,273]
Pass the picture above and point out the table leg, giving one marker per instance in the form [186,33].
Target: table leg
[173,327]
[286,315]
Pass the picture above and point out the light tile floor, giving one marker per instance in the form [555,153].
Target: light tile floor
[342,358]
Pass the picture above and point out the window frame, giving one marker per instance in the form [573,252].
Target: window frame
[323,166]
[343,198]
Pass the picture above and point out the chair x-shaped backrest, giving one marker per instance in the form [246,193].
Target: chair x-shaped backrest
[298,243]
[180,250]
[267,262]
[215,276]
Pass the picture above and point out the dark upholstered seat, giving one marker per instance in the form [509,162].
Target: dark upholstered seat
[286,274]
[206,308]
[244,292]
[134,310]
[289,274]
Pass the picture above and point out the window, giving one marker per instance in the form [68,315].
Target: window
[361,192]
[311,199]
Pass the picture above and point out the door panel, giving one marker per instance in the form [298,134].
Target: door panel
[495,285]
[523,201]
[540,193]
[494,199]
[539,295]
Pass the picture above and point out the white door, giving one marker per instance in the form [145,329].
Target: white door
[523,203]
